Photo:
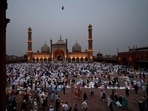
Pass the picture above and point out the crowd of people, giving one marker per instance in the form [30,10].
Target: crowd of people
[40,84]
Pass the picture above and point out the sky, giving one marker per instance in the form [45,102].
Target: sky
[117,24]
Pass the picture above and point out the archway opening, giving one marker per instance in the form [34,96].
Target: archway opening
[59,55]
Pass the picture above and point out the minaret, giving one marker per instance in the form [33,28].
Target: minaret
[29,44]
[51,50]
[90,44]
[66,51]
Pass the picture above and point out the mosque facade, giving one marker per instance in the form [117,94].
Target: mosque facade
[59,51]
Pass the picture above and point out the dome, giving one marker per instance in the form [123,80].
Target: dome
[45,48]
[76,48]
[99,55]
[60,41]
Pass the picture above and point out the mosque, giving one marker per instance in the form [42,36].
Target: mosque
[59,51]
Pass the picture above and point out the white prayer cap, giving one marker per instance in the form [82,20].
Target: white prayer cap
[35,103]
[24,100]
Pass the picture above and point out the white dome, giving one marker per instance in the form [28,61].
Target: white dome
[60,41]
[45,48]
[76,48]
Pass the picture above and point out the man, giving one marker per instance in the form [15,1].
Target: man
[127,91]
[91,91]
[65,107]
[84,96]
[108,101]
[75,107]
[64,87]
[125,102]
[136,88]
[104,96]
[147,88]
[84,105]
[24,106]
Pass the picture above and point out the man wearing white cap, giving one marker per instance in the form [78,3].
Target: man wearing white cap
[84,105]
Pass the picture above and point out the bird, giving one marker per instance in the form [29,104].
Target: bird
[62,7]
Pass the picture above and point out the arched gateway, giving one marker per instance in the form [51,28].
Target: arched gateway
[59,54]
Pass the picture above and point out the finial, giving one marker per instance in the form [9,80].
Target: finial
[29,29]
[60,37]
[76,42]
[90,26]
[117,50]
